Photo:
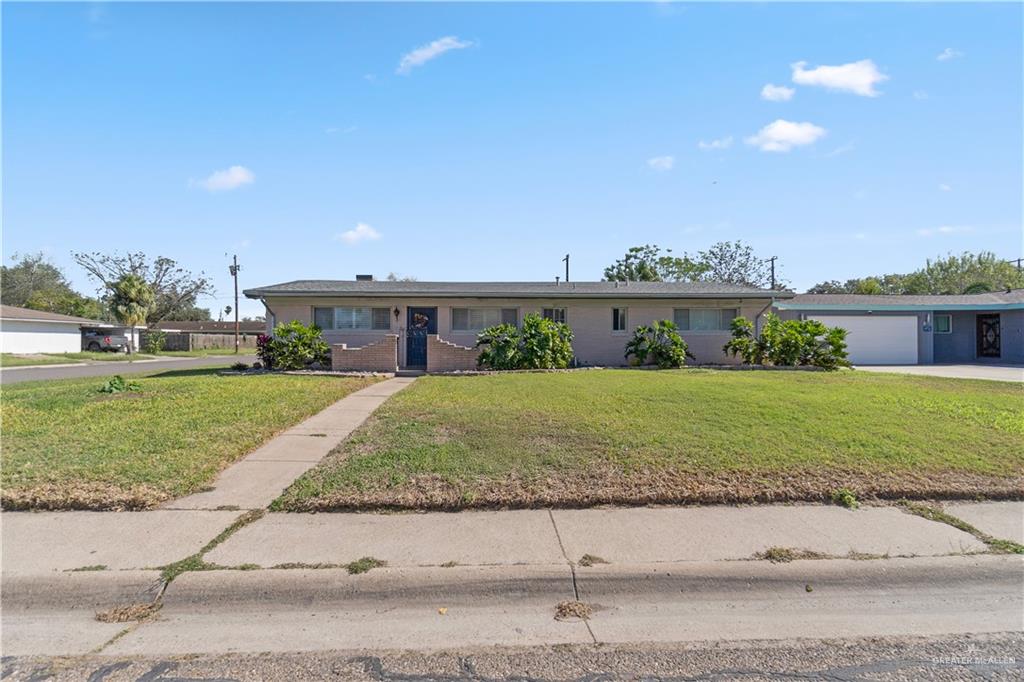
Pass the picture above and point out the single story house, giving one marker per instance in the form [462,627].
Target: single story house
[433,325]
[35,331]
[910,330]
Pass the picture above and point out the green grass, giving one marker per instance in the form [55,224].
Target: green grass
[65,445]
[622,436]
[24,360]
[30,359]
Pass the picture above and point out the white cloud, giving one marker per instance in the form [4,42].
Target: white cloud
[226,180]
[720,143]
[949,53]
[777,93]
[920,94]
[859,78]
[781,136]
[423,54]
[944,229]
[841,149]
[360,233]
[945,188]
[662,163]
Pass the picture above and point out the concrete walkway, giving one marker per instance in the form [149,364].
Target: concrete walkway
[1003,372]
[261,476]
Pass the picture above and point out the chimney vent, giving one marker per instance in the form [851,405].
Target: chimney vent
[364,278]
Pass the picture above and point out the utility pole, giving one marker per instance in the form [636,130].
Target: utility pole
[233,269]
[1018,261]
[772,261]
[566,259]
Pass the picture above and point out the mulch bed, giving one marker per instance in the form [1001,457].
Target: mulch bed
[612,487]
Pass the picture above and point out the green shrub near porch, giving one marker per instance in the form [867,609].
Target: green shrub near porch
[539,344]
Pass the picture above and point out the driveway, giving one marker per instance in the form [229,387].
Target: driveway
[15,375]
[993,372]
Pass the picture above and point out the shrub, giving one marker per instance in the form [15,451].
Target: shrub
[845,497]
[788,343]
[265,350]
[239,367]
[293,346]
[117,384]
[540,344]
[155,341]
[659,344]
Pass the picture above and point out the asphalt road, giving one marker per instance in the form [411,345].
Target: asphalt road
[997,656]
[16,375]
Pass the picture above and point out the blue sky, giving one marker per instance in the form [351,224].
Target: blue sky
[483,142]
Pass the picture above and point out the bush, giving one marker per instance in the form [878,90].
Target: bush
[239,367]
[540,344]
[118,384]
[265,350]
[293,346]
[788,343]
[155,341]
[659,344]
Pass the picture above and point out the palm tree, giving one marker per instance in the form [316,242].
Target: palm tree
[130,301]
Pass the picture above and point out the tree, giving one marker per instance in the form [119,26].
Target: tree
[729,262]
[735,263]
[131,298]
[188,313]
[964,274]
[34,282]
[647,264]
[393,277]
[174,288]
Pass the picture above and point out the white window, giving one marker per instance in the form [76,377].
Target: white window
[352,318]
[704,319]
[554,314]
[618,319]
[475,319]
[943,324]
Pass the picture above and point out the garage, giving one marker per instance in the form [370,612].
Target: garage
[35,331]
[878,340]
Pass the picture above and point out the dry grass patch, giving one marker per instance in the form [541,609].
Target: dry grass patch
[128,613]
[573,610]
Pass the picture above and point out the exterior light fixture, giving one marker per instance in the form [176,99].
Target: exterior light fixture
[397,312]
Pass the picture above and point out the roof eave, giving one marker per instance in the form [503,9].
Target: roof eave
[258,294]
[909,307]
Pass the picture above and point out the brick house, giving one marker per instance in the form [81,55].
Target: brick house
[378,325]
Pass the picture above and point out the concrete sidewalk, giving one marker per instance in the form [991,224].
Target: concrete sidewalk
[261,476]
[676,573]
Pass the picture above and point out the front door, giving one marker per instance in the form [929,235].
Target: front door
[989,344]
[419,323]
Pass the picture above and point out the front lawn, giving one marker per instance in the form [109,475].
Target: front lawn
[30,359]
[67,446]
[627,436]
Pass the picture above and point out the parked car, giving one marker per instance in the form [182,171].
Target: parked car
[104,340]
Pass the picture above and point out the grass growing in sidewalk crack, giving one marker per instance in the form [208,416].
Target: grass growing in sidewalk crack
[81,569]
[995,545]
[196,562]
[130,612]
[569,610]
[590,560]
[783,555]
[364,564]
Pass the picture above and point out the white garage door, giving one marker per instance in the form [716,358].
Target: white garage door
[881,340]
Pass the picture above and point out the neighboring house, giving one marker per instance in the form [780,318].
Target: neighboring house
[34,331]
[908,330]
[434,324]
